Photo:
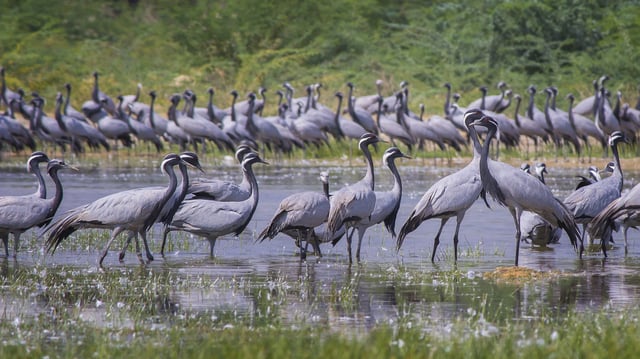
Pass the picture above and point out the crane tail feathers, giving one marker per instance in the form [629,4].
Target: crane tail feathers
[390,221]
[409,226]
[602,224]
[276,226]
[59,230]
[568,224]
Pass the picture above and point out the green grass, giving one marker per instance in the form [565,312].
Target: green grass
[71,312]
[594,335]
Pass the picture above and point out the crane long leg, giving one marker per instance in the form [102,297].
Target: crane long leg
[316,243]
[143,234]
[455,235]
[349,236]
[212,243]
[123,252]
[303,251]
[114,234]
[436,240]
[624,232]
[360,236]
[138,252]
[16,244]
[516,213]
[165,232]
[5,240]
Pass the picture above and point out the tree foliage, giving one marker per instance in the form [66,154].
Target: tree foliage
[243,44]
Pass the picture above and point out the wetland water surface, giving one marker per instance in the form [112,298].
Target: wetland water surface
[258,282]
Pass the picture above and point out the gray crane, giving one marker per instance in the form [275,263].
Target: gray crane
[101,98]
[199,127]
[20,213]
[6,95]
[319,114]
[235,124]
[493,102]
[242,107]
[594,175]
[165,128]
[586,202]
[368,101]
[589,105]
[262,130]
[387,202]
[215,113]
[225,191]
[360,116]
[444,129]
[45,127]
[535,114]
[559,123]
[132,100]
[354,203]
[307,129]
[69,110]
[624,210]
[212,219]
[419,130]
[171,205]
[115,128]
[528,127]
[519,191]
[585,128]
[79,130]
[447,100]
[16,131]
[298,214]
[450,196]
[347,128]
[159,123]
[134,210]
[393,127]
[33,166]
[138,128]
[605,119]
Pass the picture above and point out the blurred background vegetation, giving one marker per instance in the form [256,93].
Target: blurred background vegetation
[169,45]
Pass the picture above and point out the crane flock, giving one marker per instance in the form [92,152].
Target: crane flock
[214,208]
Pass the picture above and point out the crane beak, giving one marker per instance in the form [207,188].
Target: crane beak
[195,165]
[75,169]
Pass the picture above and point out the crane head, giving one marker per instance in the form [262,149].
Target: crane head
[55,164]
[191,159]
[617,137]
[35,159]
[391,154]
[471,116]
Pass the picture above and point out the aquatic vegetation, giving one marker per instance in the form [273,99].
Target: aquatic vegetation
[136,318]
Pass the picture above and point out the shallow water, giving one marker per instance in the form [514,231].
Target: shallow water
[382,289]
